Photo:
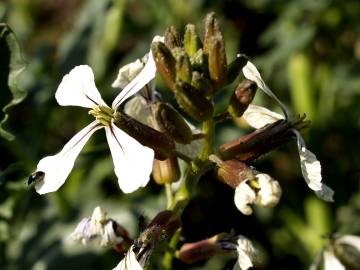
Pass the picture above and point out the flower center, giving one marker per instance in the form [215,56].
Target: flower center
[103,114]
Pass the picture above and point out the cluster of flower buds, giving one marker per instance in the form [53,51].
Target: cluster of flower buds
[221,244]
[194,70]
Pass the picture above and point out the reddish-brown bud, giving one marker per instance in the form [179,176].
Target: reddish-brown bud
[166,171]
[172,38]
[242,97]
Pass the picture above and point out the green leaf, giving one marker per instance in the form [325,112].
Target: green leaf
[11,65]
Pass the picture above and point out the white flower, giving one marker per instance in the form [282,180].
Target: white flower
[132,160]
[258,117]
[262,190]
[128,72]
[98,226]
[129,262]
[246,253]
[331,258]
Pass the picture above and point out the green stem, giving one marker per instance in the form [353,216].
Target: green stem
[169,195]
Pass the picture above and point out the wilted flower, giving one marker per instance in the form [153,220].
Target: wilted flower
[98,226]
[262,190]
[258,117]
[341,253]
[129,262]
[78,89]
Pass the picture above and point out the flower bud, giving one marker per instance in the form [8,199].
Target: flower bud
[192,42]
[183,66]
[241,98]
[194,104]
[231,172]
[202,84]
[235,67]
[217,61]
[162,144]
[165,63]
[212,28]
[199,62]
[172,38]
[170,121]
[166,171]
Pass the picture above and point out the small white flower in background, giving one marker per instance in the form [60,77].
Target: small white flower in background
[341,252]
[129,262]
[262,190]
[247,254]
[78,89]
[98,226]
[258,117]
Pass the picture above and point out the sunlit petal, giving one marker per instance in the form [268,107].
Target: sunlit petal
[144,77]
[127,73]
[78,88]
[244,196]
[246,253]
[129,262]
[270,191]
[331,262]
[132,160]
[258,117]
[58,167]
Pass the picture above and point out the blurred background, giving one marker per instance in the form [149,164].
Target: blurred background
[308,53]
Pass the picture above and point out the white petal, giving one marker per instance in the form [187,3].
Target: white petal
[351,240]
[311,171]
[244,195]
[144,77]
[109,237]
[132,160]
[251,73]
[331,262]
[246,253]
[83,232]
[258,117]
[270,191]
[317,261]
[129,262]
[78,89]
[58,167]
[127,73]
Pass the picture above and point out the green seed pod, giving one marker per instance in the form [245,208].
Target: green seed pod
[165,63]
[166,171]
[183,66]
[212,28]
[202,84]
[217,61]
[194,104]
[234,68]
[172,38]
[241,98]
[192,42]
[170,121]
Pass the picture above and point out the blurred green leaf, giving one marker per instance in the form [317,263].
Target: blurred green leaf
[12,64]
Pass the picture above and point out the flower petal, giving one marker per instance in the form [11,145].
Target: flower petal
[251,73]
[246,253]
[331,262]
[311,171]
[258,117]
[270,191]
[78,89]
[58,167]
[143,78]
[129,262]
[132,160]
[351,240]
[244,195]
[127,73]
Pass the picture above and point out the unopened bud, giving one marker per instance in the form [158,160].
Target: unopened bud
[241,98]
[194,104]
[162,144]
[212,28]
[183,66]
[235,67]
[202,84]
[199,61]
[172,38]
[217,61]
[194,252]
[165,63]
[231,172]
[170,121]
[192,42]
[166,171]
[257,143]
